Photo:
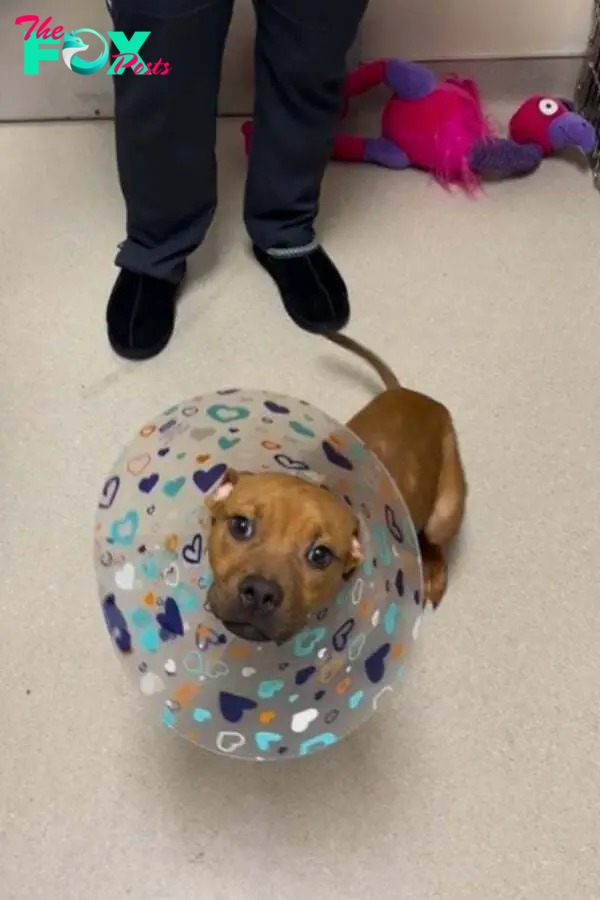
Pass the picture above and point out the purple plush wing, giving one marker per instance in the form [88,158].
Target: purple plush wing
[410,81]
[385,153]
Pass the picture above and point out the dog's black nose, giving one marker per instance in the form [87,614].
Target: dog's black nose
[260,595]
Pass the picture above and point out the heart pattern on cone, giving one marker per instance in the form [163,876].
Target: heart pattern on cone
[257,700]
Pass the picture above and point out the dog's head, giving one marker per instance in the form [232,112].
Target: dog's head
[279,548]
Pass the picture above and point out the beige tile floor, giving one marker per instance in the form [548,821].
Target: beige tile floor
[483,781]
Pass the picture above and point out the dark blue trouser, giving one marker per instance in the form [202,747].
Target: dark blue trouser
[165,124]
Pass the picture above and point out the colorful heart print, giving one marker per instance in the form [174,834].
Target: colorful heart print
[207,637]
[230,741]
[342,635]
[233,706]
[205,479]
[170,668]
[330,669]
[116,624]
[226,443]
[123,531]
[335,457]
[265,739]
[146,484]
[375,664]
[200,434]
[356,646]
[357,591]
[253,702]
[327,739]
[302,429]
[276,408]
[268,689]
[109,492]
[307,640]
[192,551]
[302,719]
[390,619]
[293,465]
[149,640]
[399,582]
[218,669]
[355,699]
[171,575]
[151,684]
[168,717]
[125,577]
[392,524]
[416,630]
[170,621]
[303,675]
[172,488]
[376,702]
[223,413]
[137,465]
[141,617]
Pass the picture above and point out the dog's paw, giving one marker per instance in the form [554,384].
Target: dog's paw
[435,577]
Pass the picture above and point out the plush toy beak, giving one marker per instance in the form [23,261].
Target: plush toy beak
[570,130]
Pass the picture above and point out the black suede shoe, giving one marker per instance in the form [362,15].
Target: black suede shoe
[140,315]
[312,289]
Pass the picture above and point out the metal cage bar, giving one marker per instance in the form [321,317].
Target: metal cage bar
[587,93]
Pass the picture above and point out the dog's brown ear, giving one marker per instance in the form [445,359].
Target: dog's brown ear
[354,557]
[222,492]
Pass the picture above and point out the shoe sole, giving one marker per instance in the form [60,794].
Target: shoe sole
[311,328]
[142,353]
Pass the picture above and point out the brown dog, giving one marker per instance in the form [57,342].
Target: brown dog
[414,438]
[280,546]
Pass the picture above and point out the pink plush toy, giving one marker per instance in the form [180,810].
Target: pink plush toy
[440,126]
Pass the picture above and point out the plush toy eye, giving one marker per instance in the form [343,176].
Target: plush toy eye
[319,557]
[240,528]
[548,107]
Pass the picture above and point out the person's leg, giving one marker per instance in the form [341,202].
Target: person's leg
[165,141]
[301,48]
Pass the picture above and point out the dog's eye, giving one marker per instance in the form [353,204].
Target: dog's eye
[241,528]
[319,557]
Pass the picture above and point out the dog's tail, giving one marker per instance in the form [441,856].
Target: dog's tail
[382,369]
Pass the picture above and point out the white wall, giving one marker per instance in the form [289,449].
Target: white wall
[58,93]
[415,29]
[475,29]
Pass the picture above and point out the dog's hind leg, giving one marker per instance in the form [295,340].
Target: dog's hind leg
[435,572]
[448,511]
